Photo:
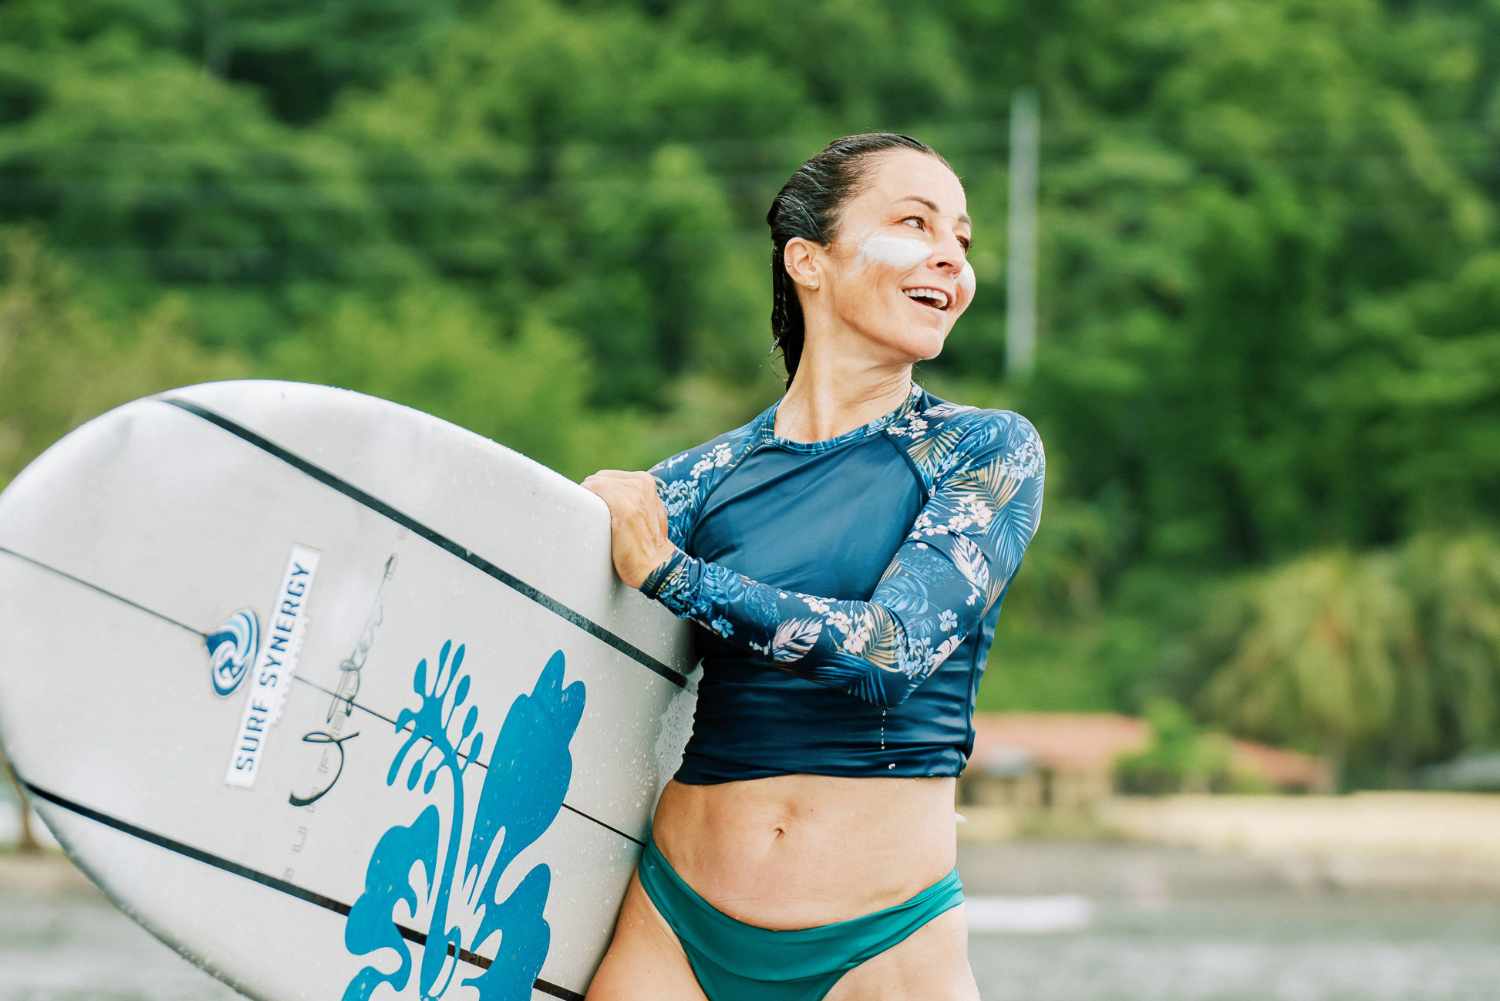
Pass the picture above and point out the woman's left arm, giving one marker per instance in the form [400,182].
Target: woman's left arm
[958,559]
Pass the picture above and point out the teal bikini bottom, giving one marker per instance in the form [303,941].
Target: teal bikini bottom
[738,962]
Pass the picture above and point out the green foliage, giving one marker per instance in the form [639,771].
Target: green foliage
[1269,366]
[542,164]
[1211,260]
[301,52]
[60,364]
[154,177]
[1455,589]
[1325,646]
[444,357]
[1396,651]
[1180,758]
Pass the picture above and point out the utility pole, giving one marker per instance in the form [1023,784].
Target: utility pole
[1020,271]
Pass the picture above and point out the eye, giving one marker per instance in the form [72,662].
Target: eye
[965,243]
[915,222]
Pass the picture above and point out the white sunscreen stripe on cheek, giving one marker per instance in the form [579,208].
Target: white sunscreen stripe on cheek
[966,278]
[895,251]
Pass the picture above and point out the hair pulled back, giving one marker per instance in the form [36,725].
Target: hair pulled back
[808,207]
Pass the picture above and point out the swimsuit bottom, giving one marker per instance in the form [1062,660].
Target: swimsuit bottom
[734,961]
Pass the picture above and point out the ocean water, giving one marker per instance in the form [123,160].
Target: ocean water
[1273,948]
[74,946]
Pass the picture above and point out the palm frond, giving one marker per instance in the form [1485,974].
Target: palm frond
[930,450]
[991,483]
[794,638]
[1010,533]
[971,562]
[881,650]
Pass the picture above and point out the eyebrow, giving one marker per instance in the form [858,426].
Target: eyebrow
[963,217]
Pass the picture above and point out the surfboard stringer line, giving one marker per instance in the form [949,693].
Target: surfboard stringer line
[380,507]
[296,679]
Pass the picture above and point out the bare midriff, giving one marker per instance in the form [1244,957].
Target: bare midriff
[798,851]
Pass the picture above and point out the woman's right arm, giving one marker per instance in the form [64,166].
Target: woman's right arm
[652,514]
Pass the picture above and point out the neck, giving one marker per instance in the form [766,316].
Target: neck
[835,392]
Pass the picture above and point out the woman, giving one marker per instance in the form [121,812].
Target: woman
[847,552]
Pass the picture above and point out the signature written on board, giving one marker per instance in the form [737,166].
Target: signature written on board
[342,706]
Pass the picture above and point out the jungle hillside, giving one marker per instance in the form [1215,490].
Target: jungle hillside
[1268,355]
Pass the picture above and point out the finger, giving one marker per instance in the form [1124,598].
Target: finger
[609,492]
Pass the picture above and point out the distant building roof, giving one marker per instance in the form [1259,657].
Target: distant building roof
[1074,742]
[1090,743]
[1285,769]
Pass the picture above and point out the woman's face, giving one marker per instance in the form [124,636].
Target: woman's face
[896,273]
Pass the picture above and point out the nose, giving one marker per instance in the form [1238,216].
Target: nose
[947,253]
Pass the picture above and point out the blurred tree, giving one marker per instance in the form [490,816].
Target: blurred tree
[60,364]
[1210,256]
[1393,657]
[152,176]
[303,53]
[1325,650]
[531,165]
[1455,587]
[1270,294]
[445,357]
[1181,758]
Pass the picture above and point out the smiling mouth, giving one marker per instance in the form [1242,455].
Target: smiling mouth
[933,297]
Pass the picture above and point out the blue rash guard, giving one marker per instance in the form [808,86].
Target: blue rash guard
[849,587]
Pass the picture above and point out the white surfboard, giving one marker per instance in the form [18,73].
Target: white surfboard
[339,700]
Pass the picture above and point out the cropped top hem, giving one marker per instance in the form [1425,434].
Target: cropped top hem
[700,770]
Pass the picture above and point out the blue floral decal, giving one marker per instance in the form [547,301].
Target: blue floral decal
[527,777]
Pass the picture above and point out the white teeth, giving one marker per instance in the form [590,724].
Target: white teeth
[938,296]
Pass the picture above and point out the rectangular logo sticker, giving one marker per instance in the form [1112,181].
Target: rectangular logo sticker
[271,678]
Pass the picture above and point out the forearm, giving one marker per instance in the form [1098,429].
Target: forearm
[865,648]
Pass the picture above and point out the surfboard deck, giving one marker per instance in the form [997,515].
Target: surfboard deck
[337,699]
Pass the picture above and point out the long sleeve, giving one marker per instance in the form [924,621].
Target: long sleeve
[956,562]
[685,479]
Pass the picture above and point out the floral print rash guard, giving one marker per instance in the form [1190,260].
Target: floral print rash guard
[871,565]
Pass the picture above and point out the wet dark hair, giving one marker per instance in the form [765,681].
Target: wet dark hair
[808,207]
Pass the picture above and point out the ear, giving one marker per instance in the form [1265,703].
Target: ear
[803,262]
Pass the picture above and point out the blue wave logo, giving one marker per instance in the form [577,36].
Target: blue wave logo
[525,781]
[231,650]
